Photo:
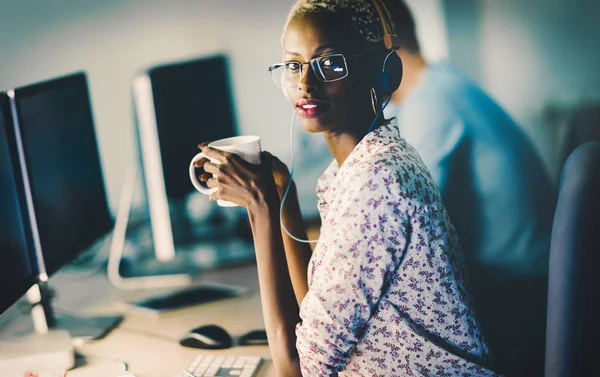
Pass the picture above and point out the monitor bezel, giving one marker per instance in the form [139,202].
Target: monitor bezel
[36,88]
[7,123]
[150,152]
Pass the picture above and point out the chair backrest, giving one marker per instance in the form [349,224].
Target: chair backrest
[572,331]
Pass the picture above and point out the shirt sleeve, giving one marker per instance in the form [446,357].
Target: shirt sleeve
[360,247]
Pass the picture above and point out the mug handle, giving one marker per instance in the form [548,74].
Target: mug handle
[194,178]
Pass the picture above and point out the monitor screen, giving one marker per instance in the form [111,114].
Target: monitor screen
[192,103]
[18,266]
[63,164]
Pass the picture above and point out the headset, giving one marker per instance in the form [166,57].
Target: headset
[387,81]
[390,76]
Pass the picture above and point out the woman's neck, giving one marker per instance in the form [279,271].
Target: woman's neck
[341,144]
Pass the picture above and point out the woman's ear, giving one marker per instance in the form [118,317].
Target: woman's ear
[368,69]
[389,73]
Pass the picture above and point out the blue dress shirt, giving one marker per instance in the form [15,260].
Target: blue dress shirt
[494,185]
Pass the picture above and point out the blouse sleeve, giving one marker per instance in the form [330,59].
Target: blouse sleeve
[361,244]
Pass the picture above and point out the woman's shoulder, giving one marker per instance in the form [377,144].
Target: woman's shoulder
[400,170]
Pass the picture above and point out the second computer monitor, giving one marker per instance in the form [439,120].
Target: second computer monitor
[63,165]
[192,103]
[177,106]
[18,264]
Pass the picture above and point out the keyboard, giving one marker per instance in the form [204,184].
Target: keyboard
[186,297]
[216,366]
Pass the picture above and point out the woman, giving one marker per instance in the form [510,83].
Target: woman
[383,292]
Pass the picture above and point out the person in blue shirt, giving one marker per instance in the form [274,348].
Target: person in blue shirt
[496,190]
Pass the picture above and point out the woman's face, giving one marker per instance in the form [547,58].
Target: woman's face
[325,106]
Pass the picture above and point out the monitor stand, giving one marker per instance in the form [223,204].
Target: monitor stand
[159,275]
[117,248]
[81,328]
[49,348]
[52,352]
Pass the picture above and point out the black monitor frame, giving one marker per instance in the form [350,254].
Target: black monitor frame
[193,102]
[8,136]
[84,328]
[61,257]
[153,89]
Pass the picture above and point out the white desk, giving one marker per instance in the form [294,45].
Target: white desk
[149,345]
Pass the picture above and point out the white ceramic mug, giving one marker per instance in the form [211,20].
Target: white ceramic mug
[247,147]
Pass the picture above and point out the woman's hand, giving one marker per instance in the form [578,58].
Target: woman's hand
[200,164]
[237,180]
[281,174]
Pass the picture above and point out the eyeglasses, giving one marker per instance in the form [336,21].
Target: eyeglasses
[327,68]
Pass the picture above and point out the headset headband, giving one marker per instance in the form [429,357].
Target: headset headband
[390,39]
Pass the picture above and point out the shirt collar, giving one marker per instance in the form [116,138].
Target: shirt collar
[383,135]
[373,141]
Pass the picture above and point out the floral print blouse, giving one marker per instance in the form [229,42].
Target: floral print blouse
[386,280]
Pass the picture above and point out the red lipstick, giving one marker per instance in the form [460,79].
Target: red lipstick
[311,108]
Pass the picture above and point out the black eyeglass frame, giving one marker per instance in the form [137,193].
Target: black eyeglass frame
[315,66]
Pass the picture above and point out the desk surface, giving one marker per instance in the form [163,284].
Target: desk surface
[150,345]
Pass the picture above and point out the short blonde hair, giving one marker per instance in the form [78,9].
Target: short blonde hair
[360,13]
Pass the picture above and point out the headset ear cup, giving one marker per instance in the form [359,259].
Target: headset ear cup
[390,76]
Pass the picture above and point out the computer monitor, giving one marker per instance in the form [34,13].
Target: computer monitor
[62,169]
[18,265]
[177,106]
[63,163]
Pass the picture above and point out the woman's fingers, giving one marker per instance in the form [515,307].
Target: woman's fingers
[215,196]
[226,193]
[212,182]
[212,168]
[272,160]
[268,159]
[200,163]
[219,155]
[237,180]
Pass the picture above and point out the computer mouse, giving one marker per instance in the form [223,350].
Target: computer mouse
[209,337]
[254,338]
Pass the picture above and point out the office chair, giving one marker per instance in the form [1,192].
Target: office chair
[572,328]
